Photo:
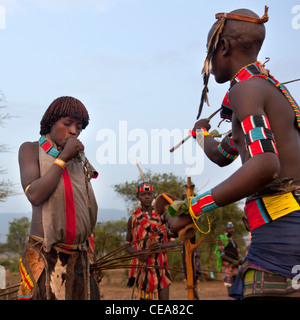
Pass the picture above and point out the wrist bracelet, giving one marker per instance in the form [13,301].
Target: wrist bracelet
[226,154]
[202,203]
[199,135]
[61,163]
[205,132]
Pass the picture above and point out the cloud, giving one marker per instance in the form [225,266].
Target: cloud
[98,6]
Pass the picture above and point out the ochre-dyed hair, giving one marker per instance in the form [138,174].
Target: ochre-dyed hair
[64,107]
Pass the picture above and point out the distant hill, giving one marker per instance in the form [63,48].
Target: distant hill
[103,216]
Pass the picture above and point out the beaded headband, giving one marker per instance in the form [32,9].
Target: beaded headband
[144,187]
[213,43]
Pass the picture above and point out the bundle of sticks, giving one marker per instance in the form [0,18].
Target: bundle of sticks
[116,259]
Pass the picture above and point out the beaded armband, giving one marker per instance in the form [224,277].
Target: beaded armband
[226,154]
[258,135]
[202,203]
[230,142]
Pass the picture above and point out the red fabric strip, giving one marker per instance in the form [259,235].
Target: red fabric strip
[69,208]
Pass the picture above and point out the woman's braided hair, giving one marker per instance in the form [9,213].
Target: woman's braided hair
[64,107]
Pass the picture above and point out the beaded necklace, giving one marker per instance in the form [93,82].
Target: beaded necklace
[255,70]
[48,147]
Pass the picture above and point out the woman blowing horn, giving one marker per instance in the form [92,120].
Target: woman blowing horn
[64,208]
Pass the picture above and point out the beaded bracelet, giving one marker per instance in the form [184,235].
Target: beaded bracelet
[202,203]
[205,132]
[226,154]
[199,134]
[61,163]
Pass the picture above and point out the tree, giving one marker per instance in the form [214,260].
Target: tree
[6,186]
[18,232]
[109,236]
[161,182]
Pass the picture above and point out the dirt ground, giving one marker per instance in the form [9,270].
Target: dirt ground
[113,287]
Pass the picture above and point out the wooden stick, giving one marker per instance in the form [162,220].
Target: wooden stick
[189,249]
[187,137]
[211,116]
[290,81]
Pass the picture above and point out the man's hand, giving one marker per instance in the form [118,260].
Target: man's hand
[202,123]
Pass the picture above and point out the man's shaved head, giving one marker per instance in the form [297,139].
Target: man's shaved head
[250,35]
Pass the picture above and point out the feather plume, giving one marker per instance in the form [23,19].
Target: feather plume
[206,70]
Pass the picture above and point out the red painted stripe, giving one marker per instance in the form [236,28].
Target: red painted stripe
[69,208]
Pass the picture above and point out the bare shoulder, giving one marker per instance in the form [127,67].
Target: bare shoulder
[28,145]
[249,97]
[28,149]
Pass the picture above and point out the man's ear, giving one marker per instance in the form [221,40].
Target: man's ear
[225,46]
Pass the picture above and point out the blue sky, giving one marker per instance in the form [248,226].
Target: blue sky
[132,62]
